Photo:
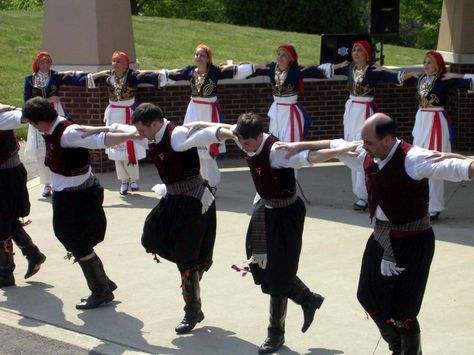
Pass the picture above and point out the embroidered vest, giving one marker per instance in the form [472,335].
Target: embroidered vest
[271,183]
[173,166]
[65,161]
[401,198]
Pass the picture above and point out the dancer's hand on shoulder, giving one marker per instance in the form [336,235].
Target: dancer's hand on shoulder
[292,148]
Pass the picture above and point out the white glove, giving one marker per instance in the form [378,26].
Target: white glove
[260,259]
[390,268]
[160,189]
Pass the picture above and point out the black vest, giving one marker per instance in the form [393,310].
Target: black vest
[173,166]
[271,183]
[9,145]
[65,161]
[401,198]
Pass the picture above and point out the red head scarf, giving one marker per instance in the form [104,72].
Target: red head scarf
[207,50]
[437,60]
[367,47]
[290,50]
[37,59]
[123,56]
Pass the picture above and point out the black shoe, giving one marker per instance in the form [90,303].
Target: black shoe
[34,264]
[309,309]
[95,300]
[271,344]
[112,287]
[189,322]
[7,281]
[360,205]
[435,216]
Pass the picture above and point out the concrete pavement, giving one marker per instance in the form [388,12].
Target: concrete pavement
[148,302]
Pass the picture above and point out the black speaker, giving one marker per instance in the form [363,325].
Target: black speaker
[384,16]
[336,48]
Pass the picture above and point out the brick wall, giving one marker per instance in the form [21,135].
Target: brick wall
[323,99]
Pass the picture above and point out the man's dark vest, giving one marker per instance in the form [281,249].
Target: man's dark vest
[271,183]
[9,145]
[401,198]
[65,161]
[173,166]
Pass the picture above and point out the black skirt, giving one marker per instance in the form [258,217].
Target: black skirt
[14,199]
[79,220]
[284,231]
[398,297]
[177,231]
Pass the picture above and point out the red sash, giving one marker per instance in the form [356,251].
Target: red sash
[435,131]
[132,159]
[295,116]
[213,148]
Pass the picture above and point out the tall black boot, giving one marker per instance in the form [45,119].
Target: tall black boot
[98,283]
[276,329]
[30,251]
[192,298]
[309,301]
[391,335]
[411,340]
[7,265]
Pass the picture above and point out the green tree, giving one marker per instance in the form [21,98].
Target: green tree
[316,16]
[419,23]
[203,10]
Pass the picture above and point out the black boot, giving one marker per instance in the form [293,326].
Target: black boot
[309,301]
[112,287]
[192,297]
[7,265]
[411,340]
[98,283]
[391,335]
[276,329]
[30,251]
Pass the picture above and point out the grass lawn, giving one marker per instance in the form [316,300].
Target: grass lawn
[165,43]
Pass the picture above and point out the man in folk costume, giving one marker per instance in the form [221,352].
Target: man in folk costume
[398,254]
[274,236]
[14,201]
[182,227]
[79,220]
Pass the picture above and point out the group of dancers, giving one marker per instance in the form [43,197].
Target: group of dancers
[182,227]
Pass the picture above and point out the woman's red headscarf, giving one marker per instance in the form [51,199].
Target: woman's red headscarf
[288,48]
[207,50]
[437,60]
[123,56]
[37,59]
[367,47]
[291,52]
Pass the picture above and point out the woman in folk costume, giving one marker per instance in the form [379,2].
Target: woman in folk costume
[432,125]
[122,84]
[45,83]
[203,106]
[362,76]
[288,120]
